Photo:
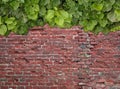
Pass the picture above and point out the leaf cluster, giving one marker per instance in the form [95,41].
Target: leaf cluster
[93,15]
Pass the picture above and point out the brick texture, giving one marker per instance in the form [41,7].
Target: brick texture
[53,58]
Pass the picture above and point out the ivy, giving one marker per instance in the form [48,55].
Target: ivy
[93,15]
[57,17]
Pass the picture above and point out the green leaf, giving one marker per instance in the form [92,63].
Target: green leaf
[97,6]
[5,1]
[107,6]
[31,2]
[33,16]
[64,14]
[83,22]
[12,26]
[23,29]
[70,3]
[50,15]
[106,31]
[35,1]
[103,22]
[9,20]
[81,2]
[0,20]
[98,29]
[111,17]
[117,14]
[3,29]
[69,19]
[98,16]
[116,28]
[45,2]
[59,21]
[112,1]
[25,19]
[22,1]
[55,3]
[42,11]
[92,15]
[32,11]
[15,4]
[36,8]
[90,25]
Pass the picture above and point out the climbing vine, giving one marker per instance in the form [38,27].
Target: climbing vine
[93,15]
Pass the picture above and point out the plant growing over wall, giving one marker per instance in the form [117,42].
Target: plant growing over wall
[93,15]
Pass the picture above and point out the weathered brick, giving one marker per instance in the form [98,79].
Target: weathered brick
[56,58]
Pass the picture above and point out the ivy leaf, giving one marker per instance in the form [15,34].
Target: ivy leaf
[32,11]
[22,1]
[97,6]
[64,14]
[12,25]
[44,2]
[35,1]
[111,16]
[117,13]
[55,3]
[0,20]
[103,22]
[98,16]
[42,11]
[5,1]
[15,4]
[3,29]
[98,29]
[33,16]
[23,29]
[83,23]
[9,20]
[106,31]
[107,7]
[115,28]
[50,15]
[36,8]
[31,2]
[93,15]
[24,18]
[90,25]
[70,3]
[81,2]
[68,20]
[59,21]
[112,2]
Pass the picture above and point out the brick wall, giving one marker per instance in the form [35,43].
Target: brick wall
[60,59]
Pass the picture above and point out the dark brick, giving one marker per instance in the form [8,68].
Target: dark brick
[117,56]
[83,46]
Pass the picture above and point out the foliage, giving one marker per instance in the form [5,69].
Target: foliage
[93,15]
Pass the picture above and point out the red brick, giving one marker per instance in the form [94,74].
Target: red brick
[56,58]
